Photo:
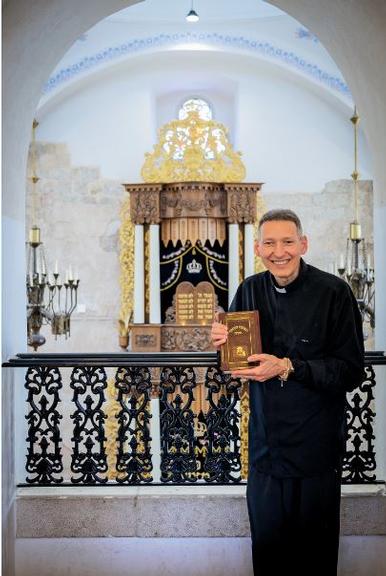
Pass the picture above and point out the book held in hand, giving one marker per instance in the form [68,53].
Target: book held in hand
[244,339]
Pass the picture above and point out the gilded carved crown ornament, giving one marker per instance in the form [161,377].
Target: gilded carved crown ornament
[193,150]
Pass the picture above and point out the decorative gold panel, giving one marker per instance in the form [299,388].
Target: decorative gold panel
[111,408]
[126,259]
[241,253]
[244,423]
[193,149]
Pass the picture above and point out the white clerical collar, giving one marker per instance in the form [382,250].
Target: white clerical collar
[279,289]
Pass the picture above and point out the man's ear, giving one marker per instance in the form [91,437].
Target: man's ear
[257,248]
[304,244]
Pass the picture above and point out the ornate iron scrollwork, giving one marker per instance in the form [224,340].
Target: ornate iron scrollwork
[178,459]
[89,458]
[359,458]
[200,439]
[223,460]
[43,385]
[134,463]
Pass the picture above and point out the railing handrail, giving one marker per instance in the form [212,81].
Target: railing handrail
[149,359]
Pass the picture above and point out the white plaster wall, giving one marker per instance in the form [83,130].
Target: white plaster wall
[293,139]
[12,392]
[108,124]
[293,136]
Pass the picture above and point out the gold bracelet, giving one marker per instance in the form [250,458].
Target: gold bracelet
[288,369]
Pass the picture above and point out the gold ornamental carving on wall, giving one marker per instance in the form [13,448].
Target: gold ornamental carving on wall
[193,150]
[126,259]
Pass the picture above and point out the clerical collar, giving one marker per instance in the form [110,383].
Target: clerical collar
[292,285]
[281,289]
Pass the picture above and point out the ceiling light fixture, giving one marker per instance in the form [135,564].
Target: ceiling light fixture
[192,15]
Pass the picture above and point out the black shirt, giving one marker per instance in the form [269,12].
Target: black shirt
[296,428]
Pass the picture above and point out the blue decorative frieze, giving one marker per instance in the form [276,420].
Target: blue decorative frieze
[253,46]
[304,34]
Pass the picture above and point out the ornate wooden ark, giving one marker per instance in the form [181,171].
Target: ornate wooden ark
[186,238]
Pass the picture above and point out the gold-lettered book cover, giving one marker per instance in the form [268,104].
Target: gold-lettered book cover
[243,340]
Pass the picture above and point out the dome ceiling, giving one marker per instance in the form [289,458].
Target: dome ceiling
[247,27]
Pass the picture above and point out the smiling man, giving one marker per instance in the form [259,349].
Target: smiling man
[312,340]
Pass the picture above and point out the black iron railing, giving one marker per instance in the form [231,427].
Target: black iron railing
[109,420]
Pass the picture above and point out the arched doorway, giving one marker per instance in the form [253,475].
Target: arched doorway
[37,35]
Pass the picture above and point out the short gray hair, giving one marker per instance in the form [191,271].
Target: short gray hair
[281,214]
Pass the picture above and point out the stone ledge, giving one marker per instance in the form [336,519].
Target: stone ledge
[168,512]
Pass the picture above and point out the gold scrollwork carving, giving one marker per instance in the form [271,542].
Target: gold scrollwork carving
[111,408]
[193,150]
[244,422]
[241,252]
[126,259]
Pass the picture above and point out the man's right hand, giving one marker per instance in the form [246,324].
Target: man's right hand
[219,334]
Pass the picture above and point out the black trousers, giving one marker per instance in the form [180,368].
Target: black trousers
[294,524]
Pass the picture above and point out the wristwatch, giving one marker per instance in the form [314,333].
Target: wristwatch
[288,370]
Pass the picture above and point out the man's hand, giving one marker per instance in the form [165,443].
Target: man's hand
[219,333]
[270,366]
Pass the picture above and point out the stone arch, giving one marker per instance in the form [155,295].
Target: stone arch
[37,34]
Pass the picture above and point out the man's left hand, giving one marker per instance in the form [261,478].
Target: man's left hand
[270,367]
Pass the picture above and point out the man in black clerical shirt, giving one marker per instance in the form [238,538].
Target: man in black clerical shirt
[312,340]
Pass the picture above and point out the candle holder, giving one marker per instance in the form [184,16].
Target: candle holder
[359,274]
[48,300]
[356,267]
